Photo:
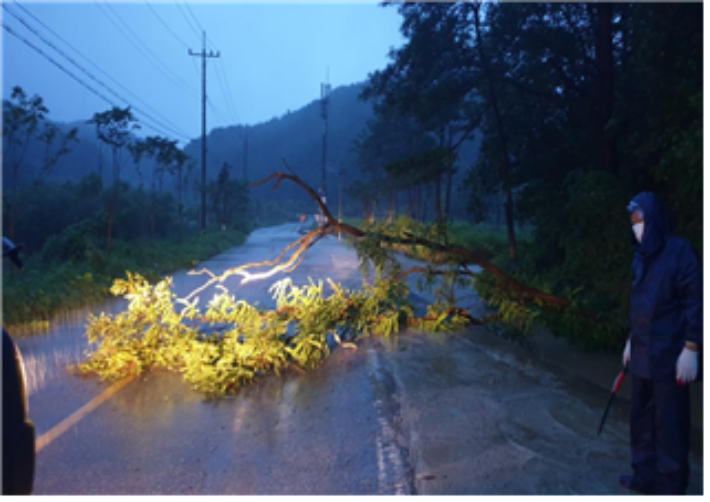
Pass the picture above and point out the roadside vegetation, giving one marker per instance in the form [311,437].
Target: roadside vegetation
[576,108]
[50,286]
[68,262]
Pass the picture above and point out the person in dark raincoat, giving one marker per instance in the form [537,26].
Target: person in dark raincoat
[662,352]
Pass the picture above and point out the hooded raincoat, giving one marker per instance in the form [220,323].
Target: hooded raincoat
[666,312]
[666,301]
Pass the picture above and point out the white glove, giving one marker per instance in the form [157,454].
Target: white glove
[686,369]
[627,353]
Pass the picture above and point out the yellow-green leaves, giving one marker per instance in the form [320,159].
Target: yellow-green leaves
[231,342]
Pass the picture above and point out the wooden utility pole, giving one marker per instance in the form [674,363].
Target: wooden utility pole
[325,89]
[204,55]
[246,150]
[340,197]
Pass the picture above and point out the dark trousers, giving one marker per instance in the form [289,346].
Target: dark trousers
[660,435]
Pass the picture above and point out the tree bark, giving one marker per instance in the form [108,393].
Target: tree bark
[437,198]
[523,293]
[505,169]
[449,180]
[410,202]
[605,75]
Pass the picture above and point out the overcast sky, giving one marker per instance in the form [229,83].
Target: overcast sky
[272,56]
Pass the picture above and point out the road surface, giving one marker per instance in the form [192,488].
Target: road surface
[460,414]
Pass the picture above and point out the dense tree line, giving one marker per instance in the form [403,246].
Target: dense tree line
[580,106]
[68,220]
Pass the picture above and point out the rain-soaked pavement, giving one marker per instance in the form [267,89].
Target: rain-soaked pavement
[459,414]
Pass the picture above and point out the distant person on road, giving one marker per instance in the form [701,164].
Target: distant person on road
[665,339]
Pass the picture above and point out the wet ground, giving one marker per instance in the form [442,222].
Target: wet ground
[462,414]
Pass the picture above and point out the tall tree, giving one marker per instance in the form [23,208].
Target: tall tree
[21,118]
[56,145]
[428,79]
[114,128]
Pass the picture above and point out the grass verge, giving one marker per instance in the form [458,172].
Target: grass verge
[45,287]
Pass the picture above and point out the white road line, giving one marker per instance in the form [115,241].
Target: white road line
[390,466]
[75,417]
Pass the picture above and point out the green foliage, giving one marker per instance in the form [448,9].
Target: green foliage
[159,330]
[229,200]
[22,116]
[49,285]
[114,126]
[69,220]
[590,104]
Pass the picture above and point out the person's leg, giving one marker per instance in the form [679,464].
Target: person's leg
[672,436]
[643,450]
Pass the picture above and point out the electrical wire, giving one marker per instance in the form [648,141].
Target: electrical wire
[230,110]
[166,26]
[189,11]
[225,92]
[192,27]
[217,111]
[78,52]
[230,102]
[176,79]
[92,77]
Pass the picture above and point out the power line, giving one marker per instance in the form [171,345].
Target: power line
[189,10]
[217,111]
[230,101]
[140,41]
[180,40]
[55,63]
[227,96]
[68,72]
[209,102]
[224,93]
[39,21]
[187,20]
[92,77]
[174,78]
[167,27]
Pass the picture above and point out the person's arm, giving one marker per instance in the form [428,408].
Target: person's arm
[690,286]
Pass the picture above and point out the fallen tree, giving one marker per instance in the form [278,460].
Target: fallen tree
[306,323]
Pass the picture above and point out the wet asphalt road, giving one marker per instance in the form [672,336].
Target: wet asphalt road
[466,414]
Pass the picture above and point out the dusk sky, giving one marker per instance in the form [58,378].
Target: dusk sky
[273,57]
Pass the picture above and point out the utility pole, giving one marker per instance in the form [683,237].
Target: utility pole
[246,150]
[324,101]
[340,197]
[204,55]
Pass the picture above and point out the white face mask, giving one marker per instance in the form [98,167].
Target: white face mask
[638,231]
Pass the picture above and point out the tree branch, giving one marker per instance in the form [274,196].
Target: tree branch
[291,264]
[524,293]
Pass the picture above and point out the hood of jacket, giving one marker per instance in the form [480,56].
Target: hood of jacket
[657,225]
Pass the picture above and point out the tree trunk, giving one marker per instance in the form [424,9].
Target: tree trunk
[437,198]
[410,202]
[11,219]
[605,73]
[180,201]
[426,195]
[101,167]
[449,182]
[505,161]
[110,228]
